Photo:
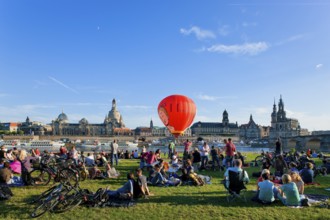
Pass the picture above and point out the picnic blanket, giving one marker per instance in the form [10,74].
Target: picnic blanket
[314,198]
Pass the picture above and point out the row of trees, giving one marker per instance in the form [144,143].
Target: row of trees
[6,132]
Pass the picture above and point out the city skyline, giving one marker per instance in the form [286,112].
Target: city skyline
[77,56]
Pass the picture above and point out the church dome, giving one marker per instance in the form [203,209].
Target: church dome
[63,117]
[114,115]
[83,121]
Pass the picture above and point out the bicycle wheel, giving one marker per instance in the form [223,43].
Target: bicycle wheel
[39,177]
[70,201]
[44,206]
[43,195]
[68,176]
[258,160]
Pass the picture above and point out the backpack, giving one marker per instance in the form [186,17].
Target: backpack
[5,193]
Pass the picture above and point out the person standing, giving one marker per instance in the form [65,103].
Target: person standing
[205,155]
[278,147]
[114,152]
[215,158]
[230,152]
[74,155]
[171,149]
[187,146]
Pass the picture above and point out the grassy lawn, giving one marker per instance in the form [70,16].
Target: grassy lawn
[184,202]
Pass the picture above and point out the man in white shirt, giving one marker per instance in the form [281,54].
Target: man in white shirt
[114,151]
[205,149]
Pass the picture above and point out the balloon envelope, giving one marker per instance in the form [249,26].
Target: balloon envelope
[177,112]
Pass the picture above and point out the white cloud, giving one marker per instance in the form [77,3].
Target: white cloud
[63,85]
[207,97]
[240,49]
[291,39]
[199,33]
[319,66]
[213,98]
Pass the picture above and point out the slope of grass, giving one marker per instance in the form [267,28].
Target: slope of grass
[184,202]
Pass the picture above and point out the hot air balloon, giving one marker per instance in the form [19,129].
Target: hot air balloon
[177,112]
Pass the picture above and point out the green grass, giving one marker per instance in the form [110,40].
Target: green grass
[184,202]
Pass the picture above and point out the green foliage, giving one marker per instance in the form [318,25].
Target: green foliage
[184,202]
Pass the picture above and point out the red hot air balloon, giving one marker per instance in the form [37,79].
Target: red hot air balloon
[177,112]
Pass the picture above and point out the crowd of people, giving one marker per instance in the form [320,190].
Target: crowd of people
[282,179]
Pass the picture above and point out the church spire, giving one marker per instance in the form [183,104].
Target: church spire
[151,124]
[114,104]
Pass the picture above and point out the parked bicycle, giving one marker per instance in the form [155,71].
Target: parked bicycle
[48,169]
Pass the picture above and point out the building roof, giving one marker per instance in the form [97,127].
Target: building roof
[213,125]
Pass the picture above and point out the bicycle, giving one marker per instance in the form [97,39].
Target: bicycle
[48,169]
[260,158]
[47,200]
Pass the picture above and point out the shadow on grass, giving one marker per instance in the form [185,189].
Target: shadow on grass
[206,198]
[12,211]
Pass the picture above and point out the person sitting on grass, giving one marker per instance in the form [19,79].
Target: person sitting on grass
[158,155]
[111,171]
[150,159]
[280,165]
[293,167]
[126,191]
[266,190]
[6,174]
[89,160]
[307,173]
[175,159]
[237,168]
[260,179]
[95,173]
[142,183]
[296,178]
[288,192]
[188,174]
[159,180]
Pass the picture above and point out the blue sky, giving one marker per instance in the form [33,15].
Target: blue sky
[234,55]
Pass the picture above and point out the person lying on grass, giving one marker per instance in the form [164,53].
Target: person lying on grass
[126,191]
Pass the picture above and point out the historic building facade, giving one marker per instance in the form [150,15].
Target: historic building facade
[281,126]
[34,128]
[113,125]
[250,131]
[216,128]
